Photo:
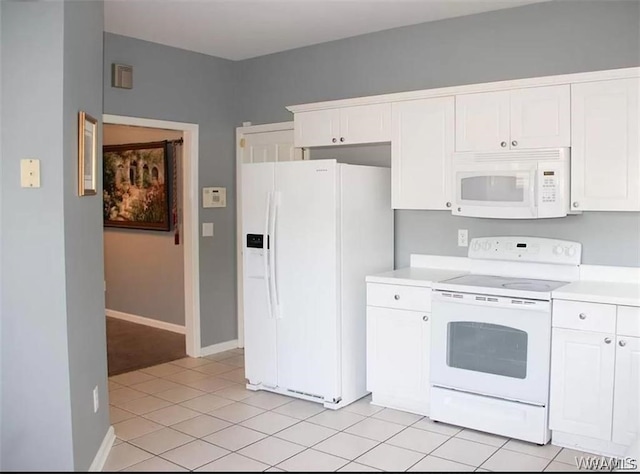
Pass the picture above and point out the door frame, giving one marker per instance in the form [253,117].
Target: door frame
[241,133]
[190,220]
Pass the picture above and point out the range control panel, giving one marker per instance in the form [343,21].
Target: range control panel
[526,249]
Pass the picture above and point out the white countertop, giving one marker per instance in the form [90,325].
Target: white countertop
[598,283]
[414,276]
[610,292]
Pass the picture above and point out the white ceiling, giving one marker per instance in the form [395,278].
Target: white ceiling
[241,29]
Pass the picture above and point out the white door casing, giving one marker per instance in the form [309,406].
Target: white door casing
[257,144]
[190,220]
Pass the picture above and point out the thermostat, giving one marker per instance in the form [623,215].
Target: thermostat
[214,197]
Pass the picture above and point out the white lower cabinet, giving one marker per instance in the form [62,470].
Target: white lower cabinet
[581,399]
[398,343]
[595,376]
[626,401]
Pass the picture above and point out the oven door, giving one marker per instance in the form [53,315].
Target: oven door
[498,190]
[495,346]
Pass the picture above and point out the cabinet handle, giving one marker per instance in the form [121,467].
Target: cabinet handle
[396,297]
[503,144]
[514,143]
[426,318]
[448,204]
[582,316]
[576,204]
[621,343]
[341,139]
[334,140]
[607,340]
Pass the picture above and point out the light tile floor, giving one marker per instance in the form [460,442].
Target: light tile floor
[196,415]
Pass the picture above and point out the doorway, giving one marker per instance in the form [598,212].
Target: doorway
[185,280]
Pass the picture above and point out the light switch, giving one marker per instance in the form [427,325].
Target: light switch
[30,173]
[207,229]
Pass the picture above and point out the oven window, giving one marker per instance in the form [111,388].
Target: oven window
[492,189]
[488,348]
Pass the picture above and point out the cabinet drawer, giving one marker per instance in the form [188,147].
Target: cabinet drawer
[414,298]
[628,321]
[584,316]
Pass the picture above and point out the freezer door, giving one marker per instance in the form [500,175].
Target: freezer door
[306,284]
[259,321]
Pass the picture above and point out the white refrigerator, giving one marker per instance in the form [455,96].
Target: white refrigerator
[312,231]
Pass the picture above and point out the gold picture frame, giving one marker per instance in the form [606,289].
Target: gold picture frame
[87,151]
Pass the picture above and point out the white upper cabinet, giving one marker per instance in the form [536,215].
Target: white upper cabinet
[421,147]
[316,128]
[540,117]
[536,117]
[605,157]
[626,406]
[582,368]
[343,126]
[482,121]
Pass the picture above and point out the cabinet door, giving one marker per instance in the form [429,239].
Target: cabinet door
[421,148]
[540,117]
[365,124]
[398,353]
[605,157]
[316,128]
[626,411]
[582,366]
[482,121]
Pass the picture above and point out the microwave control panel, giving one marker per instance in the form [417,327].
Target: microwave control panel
[526,249]
[549,180]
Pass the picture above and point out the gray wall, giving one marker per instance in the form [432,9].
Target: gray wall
[53,333]
[84,266]
[144,269]
[535,40]
[34,326]
[182,86]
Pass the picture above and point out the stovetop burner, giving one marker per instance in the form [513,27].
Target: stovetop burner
[482,282]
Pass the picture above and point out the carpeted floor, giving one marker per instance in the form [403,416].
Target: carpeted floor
[132,346]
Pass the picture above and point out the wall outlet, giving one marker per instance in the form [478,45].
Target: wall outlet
[96,400]
[463,238]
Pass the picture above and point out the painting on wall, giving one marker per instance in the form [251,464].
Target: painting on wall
[136,186]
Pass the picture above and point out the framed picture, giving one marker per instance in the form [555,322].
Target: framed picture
[87,150]
[136,186]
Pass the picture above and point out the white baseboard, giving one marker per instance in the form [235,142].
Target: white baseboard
[221,347]
[134,318]
[103,451]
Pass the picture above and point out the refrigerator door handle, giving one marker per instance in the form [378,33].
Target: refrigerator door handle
[275,201]
[265,254]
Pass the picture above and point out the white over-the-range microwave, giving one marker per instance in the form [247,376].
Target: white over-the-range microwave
[519,184]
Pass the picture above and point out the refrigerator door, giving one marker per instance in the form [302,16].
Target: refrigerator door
[259,320]
[306,284]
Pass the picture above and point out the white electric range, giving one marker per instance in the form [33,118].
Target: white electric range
[491,336]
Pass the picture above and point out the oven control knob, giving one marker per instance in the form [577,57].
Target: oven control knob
[570,251]
[486,245]
[476,245]
[558,250]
